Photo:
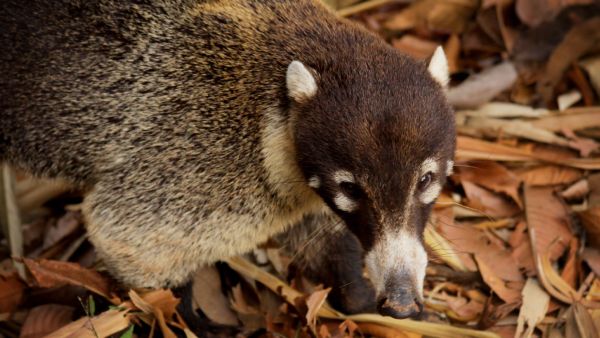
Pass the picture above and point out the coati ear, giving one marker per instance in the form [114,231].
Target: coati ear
[301,84]
[438,67]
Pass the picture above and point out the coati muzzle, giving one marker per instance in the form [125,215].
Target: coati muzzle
[396,266]
[400,302]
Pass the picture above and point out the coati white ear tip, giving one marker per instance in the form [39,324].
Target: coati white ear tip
[438,67]
[301,84]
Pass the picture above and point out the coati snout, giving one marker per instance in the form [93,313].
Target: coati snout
[375,139]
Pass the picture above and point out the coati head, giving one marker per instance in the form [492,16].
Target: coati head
[375,139]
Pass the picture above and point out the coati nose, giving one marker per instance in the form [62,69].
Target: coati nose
[400,307]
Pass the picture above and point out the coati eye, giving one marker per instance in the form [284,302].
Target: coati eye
[425,180]
[351,190]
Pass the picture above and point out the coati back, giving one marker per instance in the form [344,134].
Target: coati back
[202,128]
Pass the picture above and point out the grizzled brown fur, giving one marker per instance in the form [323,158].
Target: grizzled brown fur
[175,116]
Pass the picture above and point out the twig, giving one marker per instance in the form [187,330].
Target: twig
[89,317]
[10,218]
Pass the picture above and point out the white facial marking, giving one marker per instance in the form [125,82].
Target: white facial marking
[343,176]
[449,168]
[434,188]
[398,252]
[438,67]
[430,164]
[314,182]
[300,82]
[431,193]
[344,203]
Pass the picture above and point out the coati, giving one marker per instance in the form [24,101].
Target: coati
[200,128]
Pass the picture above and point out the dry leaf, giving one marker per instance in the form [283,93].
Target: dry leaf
[549,218]
[436,15]
[413,16]
[452,50]
[249,315]
[45,319]
[577,190]
[432,329]
[469,148]
[548,175]
[208,297]
[496,264]
[534,308]
[450,251]
[324,331]
[583,38]
[415,46]
[314,302]
[481,88]
[585,146]
[103,325]
[451,16]
[384,332]
[579,323]
[487,20]
[163,300]
[591,222]
[442,248]
[567,100]
[491,175]
[592,258]
[49,274]
[11,293]
[534,12]
[467,310]
[594,186]
[575,121]
[522,253]
[504,110]
[65,226]
[349,327]
[592,67]
[570,270]
[490,204]
[505,291]
[160,303]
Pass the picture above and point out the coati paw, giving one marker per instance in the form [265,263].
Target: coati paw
[352,298]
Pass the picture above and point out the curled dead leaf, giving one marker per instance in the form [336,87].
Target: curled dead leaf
[48,273]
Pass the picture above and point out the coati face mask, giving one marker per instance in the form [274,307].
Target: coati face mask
[375,139]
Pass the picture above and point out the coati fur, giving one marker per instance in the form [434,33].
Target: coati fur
[200,128]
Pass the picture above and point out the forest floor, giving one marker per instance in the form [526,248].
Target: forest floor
[514,238]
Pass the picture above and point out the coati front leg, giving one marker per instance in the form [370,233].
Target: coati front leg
[327,252]
[142,239]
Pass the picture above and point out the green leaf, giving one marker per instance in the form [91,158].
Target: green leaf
[128,333]
[91,306]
